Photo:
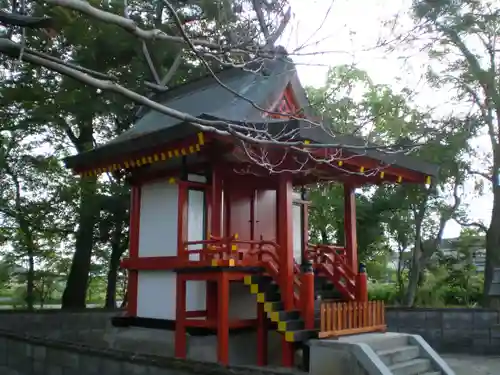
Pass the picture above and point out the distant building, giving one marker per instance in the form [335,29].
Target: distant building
[470,250]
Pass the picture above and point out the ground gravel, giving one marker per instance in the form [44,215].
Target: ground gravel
[464,364]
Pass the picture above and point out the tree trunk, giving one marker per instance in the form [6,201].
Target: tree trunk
[114,262]
[75,293]
[30,282]
[492,248]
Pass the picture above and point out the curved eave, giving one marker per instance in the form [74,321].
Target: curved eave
[126,159]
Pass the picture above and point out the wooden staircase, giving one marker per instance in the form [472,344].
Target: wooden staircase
[290,322]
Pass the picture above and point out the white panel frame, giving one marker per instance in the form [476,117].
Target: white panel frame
[298,231]
[196,290]
[156,292]
[158,219]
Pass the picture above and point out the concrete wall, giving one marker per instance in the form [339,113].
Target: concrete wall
[450,329]
[25,355]
[78,337]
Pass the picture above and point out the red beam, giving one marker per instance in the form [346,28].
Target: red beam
[196,314]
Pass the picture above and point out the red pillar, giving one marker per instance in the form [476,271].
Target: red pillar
[285,240]
[223,319]
[362,284]
[307,294]
[351,244]
[180,298]
[135,218]
[180,317]
[305,233]
[215,224]
[262,334]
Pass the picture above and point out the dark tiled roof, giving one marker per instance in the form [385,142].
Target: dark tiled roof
[262,84]
[208,97]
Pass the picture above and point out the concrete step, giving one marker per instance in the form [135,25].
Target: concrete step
[397,355]
[381,342]
[417,366]
[433,373]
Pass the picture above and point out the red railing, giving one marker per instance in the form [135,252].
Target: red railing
[261,253]
[331,261]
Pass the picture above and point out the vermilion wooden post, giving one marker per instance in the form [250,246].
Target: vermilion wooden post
[180,317]
[223,319]
[285,241]
[215,221]
[362,284]
[135,218]
[180,300]
[305,233]
[307,293]
[351,243]
[262,334]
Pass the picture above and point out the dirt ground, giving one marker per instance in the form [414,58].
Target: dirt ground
[473,365]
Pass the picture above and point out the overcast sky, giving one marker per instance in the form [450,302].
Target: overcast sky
[346,32]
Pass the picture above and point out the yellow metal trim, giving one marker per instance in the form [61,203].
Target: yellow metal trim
[289,336]
[201,138]
[400,179]
[382,174]
[261,298]
[274,316]
[268,307]
[234,247]
[231,263]
[428,180]
[340,163]
[254,288]
[148,159]
[362,169]
[281,326]
[307,141]
[215,262]
[247,280]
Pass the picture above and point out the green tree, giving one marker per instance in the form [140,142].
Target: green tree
[465,63]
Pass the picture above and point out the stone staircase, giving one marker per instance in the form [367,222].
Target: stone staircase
[388,353]
[403,358]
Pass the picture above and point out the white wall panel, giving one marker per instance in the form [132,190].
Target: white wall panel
[156,294]
[158,225]
[298,229]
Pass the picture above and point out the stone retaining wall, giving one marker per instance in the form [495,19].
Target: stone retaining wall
[27,355]
[450,330]
[59,343]
[57,324]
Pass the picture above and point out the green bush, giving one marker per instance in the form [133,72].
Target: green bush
[383,292]
[434,292]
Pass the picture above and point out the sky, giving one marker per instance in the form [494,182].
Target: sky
[348,32]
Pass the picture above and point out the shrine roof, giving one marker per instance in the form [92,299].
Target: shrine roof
[259,86]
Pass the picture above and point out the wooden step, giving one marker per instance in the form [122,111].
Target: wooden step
[302,335]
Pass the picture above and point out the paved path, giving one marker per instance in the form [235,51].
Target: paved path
[464,364]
